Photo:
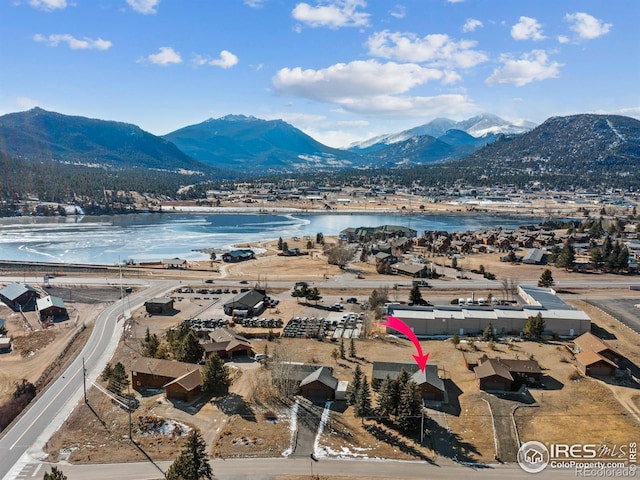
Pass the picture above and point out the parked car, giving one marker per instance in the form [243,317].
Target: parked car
[352,300]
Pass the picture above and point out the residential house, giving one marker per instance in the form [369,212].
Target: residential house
[19,297]
[416,270]
[319,386]
[174,263]
[533,256]
[235,256]
[496,374]
[429,383]
[594,357]
[226,343]
[52,308]
[184,379]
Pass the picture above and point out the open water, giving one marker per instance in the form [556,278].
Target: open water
[155,236]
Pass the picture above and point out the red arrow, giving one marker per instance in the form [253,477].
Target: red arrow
[397,324]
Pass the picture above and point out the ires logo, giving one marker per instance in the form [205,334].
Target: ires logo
[533,457]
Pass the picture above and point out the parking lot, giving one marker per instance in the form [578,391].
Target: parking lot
[622,309]
[335,325]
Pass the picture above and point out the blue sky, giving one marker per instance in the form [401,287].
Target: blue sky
[340,70]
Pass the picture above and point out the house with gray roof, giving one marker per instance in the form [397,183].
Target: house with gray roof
[52,308]
[18,296]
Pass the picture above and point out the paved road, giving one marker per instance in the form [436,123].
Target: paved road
[47,412]
[268,468]
[503,428]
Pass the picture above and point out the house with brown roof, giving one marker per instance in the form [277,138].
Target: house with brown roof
[319,386]
[429,383]
[493,375]
[226,343]
[593,364]
[506,374]
[589,342]
[183,379]
[594,356]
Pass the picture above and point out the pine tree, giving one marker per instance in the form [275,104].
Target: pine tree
[354,387]
[488,333]
[567,257]
[55,474]
[415,296]
[363,400]
[455,340]
[387,397]
[280,243]
[190,350]
[352,348]
[546,279]
[192,463]
[118,379]
[215,375]
[106,373]
[342,352]
[534,327]
[409,407]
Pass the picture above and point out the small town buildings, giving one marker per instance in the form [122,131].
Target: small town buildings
[159,306]
[559,317]
[226,343]
[235,256]
[369,234]
[52,308]
[19,297]
[5,345]
[589,342]
[415,270]
[249,303]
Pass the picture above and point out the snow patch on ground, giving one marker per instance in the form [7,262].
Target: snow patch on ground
[323,422]
[344,452]
[293,428]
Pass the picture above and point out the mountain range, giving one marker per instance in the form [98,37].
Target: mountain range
[40,135]
[572,148]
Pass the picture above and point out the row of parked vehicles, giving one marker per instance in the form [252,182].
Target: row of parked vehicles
[256,322]
[209,323]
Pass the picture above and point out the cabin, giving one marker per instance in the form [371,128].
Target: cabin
[235,256]
[493,375]
[52,308]
[431,386]
[174,263]
[227,344]
[183,379]
[19,297]
[319,386]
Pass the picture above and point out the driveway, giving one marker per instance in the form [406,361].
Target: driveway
[505,435]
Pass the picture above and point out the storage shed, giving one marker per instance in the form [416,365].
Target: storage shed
[159,306]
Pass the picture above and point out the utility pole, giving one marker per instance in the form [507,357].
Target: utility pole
[84,382]
[129,410]
[422,425]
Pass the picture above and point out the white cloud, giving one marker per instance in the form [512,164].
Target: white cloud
[165,56]
[563,39]
[586,26]
[455,1]
[344,81]
[399,11]
[332,13]
[434,49]
[73,43]
[146,7]
[254,3]
[471,25]
[225,60]
[527,28]
[628,112]
[372,88]
[531,67]
[48,5]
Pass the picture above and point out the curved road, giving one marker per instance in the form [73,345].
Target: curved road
[26,437]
